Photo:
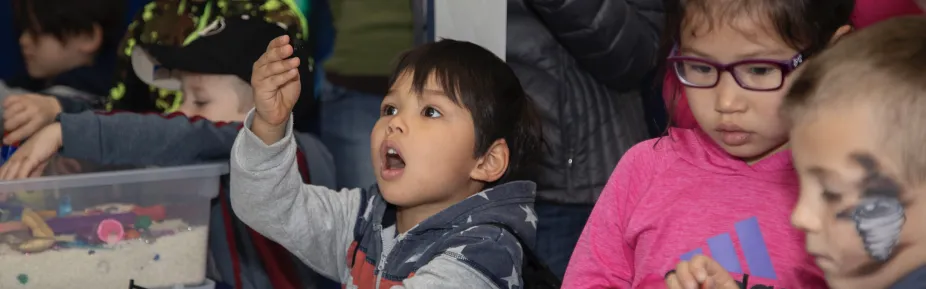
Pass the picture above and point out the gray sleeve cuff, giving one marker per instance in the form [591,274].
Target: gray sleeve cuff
[254,154]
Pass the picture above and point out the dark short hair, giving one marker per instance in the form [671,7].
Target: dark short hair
[805,25]
[881,68]
[479,81]
[63,18]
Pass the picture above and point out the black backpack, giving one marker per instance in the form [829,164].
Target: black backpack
[534,272]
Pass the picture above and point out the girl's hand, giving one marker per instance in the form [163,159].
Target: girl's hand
[275,80]
[30,159]
[701,272]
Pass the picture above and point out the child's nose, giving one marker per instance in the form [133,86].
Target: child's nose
[396,125]
[728,95]
[805,219]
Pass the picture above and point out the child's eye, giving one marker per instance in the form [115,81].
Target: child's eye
[431,112]
[390,110]
[831,197]
[699,68]
[199,103]
[762,70]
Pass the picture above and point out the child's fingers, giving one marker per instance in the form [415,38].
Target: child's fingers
[8,171]
[704,267]
[21,132]
[268,55]
[27,164]
[270,69]
[713,271]
[278,53]
[15,121]
[10,101]
[699,265]
[13,108]
[277,42]
[282,78]
[673,283]
[683,273]
[280,67]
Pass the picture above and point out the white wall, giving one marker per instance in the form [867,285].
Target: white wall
[483,22]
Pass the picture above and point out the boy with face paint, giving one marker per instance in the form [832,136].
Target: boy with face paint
[858,116]
[859,126]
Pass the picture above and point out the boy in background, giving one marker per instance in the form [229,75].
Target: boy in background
[69,49]
[213,72]
[859,128]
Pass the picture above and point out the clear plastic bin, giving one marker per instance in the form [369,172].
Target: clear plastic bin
[103,229]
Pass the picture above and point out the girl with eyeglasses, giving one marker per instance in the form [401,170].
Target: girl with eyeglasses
[726,188]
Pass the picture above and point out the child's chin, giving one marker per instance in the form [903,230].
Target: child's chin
[398,197]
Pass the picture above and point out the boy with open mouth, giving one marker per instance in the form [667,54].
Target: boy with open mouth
[455,131]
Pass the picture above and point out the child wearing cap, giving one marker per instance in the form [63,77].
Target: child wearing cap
[859,124]
[163,22]
[214,79]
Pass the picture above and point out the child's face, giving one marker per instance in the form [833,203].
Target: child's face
[743,122]
[852,206]
[46,56]
[435,142]
[213,97]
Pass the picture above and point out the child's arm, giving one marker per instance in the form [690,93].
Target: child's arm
[267,193]
[602,258]
[144,139]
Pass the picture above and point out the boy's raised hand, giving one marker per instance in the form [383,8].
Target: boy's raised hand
[701,272]
[275,80]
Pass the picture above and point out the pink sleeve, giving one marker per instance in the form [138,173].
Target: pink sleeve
[602,258]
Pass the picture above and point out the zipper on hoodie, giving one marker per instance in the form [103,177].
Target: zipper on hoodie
[383,257]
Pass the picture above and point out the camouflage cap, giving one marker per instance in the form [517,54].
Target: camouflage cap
[174,22]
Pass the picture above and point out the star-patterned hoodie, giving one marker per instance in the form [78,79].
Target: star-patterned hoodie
[350,235]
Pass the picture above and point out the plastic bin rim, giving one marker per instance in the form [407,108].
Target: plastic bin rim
[116,177]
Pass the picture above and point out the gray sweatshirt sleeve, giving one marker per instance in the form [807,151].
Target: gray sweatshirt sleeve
[144,139]
[314,223]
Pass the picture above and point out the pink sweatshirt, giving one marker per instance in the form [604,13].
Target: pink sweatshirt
[681,195]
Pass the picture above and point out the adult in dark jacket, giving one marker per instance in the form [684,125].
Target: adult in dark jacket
[583,62]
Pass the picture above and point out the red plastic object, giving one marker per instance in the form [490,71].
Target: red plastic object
[12,226]
[156,213]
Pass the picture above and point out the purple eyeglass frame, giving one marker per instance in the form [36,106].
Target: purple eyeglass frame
[786,66]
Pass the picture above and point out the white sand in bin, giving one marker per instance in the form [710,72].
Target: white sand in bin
[181,259]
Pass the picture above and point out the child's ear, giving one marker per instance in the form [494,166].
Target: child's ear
[493,164]
[842,31]
[89,43]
